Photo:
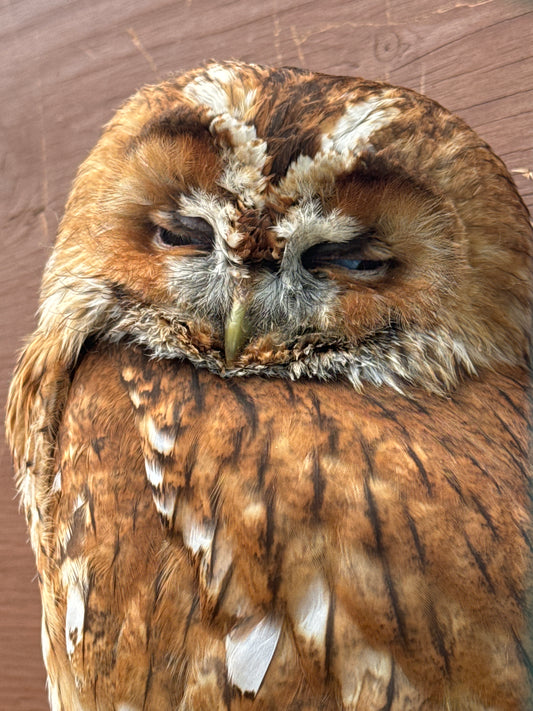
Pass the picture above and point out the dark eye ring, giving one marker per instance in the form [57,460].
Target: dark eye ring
[186,231]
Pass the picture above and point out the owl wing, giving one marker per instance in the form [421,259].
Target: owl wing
[228,543]
[100,545]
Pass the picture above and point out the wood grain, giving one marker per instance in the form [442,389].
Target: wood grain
[66,68]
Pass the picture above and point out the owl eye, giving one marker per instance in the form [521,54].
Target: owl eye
[185,230]
[361,265]
[347,255]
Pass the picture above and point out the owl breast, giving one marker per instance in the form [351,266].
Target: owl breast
[316,543]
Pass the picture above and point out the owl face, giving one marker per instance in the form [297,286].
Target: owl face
[290,223]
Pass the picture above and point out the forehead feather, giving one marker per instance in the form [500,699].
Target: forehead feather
[295,127]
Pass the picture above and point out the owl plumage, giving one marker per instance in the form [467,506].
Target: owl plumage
[271,429]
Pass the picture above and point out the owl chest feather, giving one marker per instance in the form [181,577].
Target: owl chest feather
[219,541]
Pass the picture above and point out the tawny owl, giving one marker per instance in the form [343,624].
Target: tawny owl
[270,431]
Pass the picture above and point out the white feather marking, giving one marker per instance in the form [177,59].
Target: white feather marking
[64,533]
[154,472]
[219,90]
[249,651]
[197,535]
[245,104]
[305,172]
[127,707]
[80,501]
[210,91]
[221,74]
[45,641]
[56,483]
[311,610]
[53,696]
[233,238]
[241,134]
[162,442]
[248,149]
[134,397]
[243,174]
[74,617]
[165,503]
[29,498]
[340,147]
[355,127]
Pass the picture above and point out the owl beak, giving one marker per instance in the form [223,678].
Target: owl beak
[236,329]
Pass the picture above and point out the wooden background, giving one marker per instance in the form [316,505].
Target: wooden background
[67,65]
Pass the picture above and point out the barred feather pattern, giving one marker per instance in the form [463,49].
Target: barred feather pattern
[259,543]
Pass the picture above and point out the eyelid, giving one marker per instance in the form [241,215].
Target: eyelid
[176,230]
[195,224]
[365,250]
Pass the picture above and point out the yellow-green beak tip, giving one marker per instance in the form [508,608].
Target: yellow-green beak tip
[236,331]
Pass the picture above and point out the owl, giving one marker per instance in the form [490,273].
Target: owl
[270,430]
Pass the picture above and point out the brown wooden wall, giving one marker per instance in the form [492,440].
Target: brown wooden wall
[67,64]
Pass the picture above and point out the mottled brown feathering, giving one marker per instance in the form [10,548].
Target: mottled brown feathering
[271,430]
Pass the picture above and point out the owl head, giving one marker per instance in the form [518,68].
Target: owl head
[289,223]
